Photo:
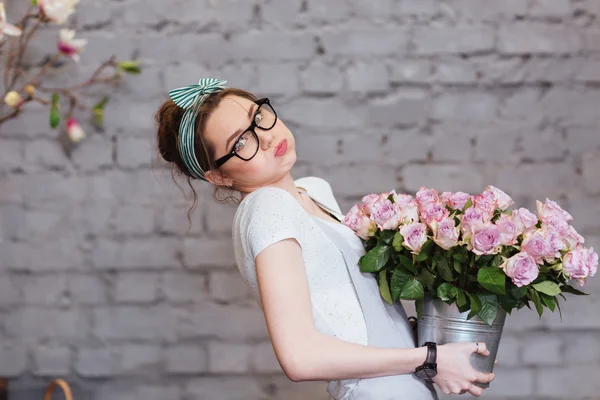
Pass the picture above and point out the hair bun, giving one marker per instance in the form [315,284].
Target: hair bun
[168,118]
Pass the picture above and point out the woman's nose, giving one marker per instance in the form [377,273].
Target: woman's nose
[266,138]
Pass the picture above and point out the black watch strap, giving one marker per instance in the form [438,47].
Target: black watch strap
[431,352]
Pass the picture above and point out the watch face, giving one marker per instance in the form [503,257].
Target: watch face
[426,373]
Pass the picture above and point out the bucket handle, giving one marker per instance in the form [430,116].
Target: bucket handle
[61,383]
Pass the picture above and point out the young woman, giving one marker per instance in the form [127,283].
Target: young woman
[325,318]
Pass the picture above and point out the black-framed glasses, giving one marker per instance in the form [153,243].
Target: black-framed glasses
[247,144]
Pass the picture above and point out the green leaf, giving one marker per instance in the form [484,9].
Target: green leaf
[489,307]
[427,279]
[461,299]
[384,287]
[387,236]
[475,305]
[419,307]
[508,303]
[549,301]
[444,291]
[444,268]
[54,111]
[34,2]
[397,242]
[399,279]
[375,259]
[425,251]
[468,204]
[493,279]
[517,292]
[131,67]
[496,261]
[98,112]
[413,290]
[559,310]
[547,287]
[535,297]
[405,261]
[572,290]
[458,266]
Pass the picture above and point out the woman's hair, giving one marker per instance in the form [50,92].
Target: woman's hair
[168,117]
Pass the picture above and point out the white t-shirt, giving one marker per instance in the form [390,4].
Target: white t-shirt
[269,215]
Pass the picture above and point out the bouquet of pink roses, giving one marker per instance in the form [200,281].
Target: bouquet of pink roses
[470,250]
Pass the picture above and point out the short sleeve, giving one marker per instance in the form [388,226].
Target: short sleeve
[271,215]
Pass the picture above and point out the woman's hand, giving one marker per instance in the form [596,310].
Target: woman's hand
[455,374]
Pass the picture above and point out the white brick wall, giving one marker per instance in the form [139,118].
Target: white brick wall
[100,279]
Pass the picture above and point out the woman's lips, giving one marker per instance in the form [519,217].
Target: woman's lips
[281,148]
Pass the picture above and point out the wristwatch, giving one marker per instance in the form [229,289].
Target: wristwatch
[429,368]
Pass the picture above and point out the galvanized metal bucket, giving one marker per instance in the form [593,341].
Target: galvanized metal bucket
[443,323]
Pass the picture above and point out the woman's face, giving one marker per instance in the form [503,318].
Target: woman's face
[230,119]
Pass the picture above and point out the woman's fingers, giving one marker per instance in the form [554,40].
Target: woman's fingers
[481,348]
[475,390]
[483,377]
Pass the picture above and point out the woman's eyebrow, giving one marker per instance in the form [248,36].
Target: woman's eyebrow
[230,138]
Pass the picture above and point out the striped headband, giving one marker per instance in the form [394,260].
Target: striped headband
[190,98]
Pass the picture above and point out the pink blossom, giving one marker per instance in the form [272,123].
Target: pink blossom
[445,233]
[486,203]
[471,219]
[455,201]
[74,131]
[509,231]
[580,263]
[425,196]
[386,215]
[5,27]
[359,222]
[408,208]
[372,201]
[485,239]
[415,236]
[536,245]
[502,199]
[573,238]
[69,46]
[433,212]
[557,225]
[521,269]
[524,219]
[551,208]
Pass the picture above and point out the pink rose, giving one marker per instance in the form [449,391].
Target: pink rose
[592,261]
[425,196]
[455,201]
[521,269]
[486,203]
[372,201]
[509,231]
[433,212]
[524,219]
[471,219]
[408,208]
[415,236]
[557,225]
[386,215]
[359,222]
[535,244]
[551,208]
[579,263]
[485,239]
[572,239]
[445,233]
[502,199]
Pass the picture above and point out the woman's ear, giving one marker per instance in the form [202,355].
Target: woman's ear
[216,178]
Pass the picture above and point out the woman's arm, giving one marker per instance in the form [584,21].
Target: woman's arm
[306,354]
